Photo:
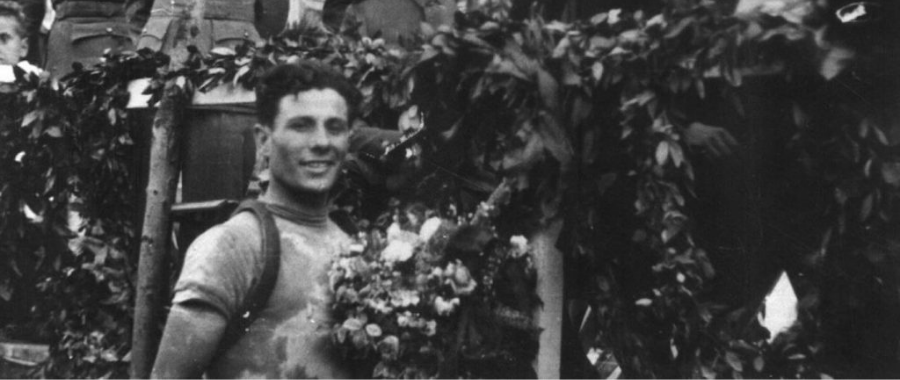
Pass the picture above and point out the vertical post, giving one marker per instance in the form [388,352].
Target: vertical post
[304,13]
[161,187]
[549,264]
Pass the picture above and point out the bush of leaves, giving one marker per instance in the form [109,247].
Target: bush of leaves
[588,117]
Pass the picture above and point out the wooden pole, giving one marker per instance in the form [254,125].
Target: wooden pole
[161,187]
[549,264]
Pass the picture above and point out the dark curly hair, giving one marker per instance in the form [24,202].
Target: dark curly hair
[293,78]
[15,11]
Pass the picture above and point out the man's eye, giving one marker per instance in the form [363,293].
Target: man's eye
[5,37]
[302,124]
[337,126]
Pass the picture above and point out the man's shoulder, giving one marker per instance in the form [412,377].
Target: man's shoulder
[221,264]
[237,233]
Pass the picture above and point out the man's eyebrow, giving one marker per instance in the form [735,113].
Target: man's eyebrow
[301,118]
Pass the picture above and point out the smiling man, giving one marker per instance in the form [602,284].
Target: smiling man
[305,112]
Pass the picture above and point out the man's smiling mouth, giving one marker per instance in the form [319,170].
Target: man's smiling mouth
[317,164]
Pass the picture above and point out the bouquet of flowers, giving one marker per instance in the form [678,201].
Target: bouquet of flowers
[401,292]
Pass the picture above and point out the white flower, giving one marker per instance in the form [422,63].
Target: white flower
[403,298]
[397,250]
[429,228]
[519,244]
[445,307]
[379,305]
[430,328]
[404,319]
[459,278]
[401,244]
[394,231]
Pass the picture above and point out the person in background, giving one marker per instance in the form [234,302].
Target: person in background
[34,14]
[13,45]
[396,21]
[206,24]
[13,36]
[84,30]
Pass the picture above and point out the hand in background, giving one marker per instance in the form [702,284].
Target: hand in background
[715,140]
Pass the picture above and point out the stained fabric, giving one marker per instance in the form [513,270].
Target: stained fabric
[291,336]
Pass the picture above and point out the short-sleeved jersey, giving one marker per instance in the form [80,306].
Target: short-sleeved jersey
[290,338]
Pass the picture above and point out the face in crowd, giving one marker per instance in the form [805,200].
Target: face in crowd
[305,112]
[309,140]
[13,46]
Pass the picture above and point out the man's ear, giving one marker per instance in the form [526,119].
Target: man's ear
[263,135]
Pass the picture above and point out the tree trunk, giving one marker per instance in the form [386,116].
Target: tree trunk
[549,263]
[163,181]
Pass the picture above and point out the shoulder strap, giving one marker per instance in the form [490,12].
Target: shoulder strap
[261,290]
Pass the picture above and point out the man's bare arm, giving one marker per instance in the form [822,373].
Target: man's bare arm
[192,336]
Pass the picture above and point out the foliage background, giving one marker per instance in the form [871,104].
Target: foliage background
[589,117]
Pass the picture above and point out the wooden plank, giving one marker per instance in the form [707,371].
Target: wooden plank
[224,94]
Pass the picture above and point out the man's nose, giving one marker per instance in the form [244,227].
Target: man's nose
[319,137]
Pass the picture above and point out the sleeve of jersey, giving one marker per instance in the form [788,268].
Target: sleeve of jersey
[219,268]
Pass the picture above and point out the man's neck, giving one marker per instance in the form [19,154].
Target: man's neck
[313,204]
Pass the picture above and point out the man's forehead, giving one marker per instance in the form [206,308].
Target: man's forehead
[7,21]
[325,102]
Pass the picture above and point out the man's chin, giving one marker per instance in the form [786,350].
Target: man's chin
[314,187]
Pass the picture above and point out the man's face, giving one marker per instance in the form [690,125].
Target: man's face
[309,139]
[12,46]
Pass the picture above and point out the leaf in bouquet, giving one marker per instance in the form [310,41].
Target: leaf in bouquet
[384,371]
[359,338]
[469,241]
[373,330]
[430,329]
[389,347]
[353,324]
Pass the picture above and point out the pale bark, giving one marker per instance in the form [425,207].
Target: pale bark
[161,187]
[549,264]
